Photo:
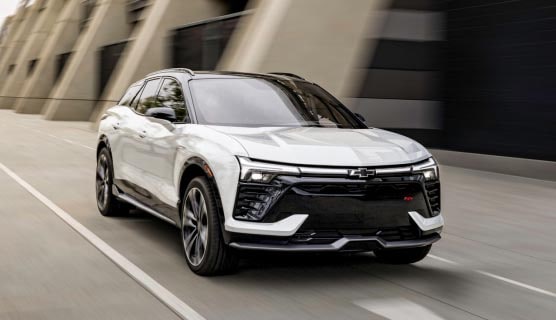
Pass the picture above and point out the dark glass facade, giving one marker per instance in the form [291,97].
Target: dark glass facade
[493,73]
[200,46]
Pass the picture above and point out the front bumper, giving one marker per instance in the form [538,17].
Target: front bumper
[290,225]
[317,213]
[350,243]
[432,226]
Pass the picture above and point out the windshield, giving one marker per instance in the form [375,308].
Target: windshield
[262,102]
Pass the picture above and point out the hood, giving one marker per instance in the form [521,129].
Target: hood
[327,146]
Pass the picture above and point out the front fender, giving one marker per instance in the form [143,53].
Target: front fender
[219,154]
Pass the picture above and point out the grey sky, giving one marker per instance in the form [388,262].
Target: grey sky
[7,7]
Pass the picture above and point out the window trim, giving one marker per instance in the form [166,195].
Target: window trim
[140,86]
[137,96]
[184,98]
[162,78]
[145,82]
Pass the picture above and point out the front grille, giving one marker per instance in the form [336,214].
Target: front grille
[433,194]
[339,203]
[349,205]
[376,191]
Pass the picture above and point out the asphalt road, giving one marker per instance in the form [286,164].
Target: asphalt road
[497,258]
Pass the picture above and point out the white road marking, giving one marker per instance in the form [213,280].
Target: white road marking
[56,137]
[397,309]
[442,259]
[179,307]
[517,283]
[77,144]
[495,276]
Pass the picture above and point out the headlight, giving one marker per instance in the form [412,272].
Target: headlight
[429,169]
[254,171]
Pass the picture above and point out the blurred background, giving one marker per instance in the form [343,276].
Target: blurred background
[473,76]
[473,80]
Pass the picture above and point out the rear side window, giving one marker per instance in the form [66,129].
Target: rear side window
[129,95]
[148,98]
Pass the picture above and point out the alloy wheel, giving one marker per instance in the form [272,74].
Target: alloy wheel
[195,226]
[103,181]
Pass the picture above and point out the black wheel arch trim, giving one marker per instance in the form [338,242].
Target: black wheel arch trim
[208,173]
[103,140]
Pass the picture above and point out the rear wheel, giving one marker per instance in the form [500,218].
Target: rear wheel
[204,247]
[403,256]
[107,203]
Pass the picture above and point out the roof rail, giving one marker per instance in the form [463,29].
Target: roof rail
[286,74]
[184,70]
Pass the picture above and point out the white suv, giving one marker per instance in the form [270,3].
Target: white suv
[269,162]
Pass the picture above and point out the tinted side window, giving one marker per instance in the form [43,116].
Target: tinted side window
[171,96]
[148,97]
[129,95]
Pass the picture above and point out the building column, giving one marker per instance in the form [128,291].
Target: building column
[149,50]
[37,88]
[75,96]
[5,34]
[12,24]
[30,52]
[28,18]
[320,40]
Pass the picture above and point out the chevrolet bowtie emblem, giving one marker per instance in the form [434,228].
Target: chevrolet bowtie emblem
[362,173]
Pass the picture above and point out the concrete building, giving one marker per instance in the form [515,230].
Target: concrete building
[44,15]
[18,31]
[399,63]
[52,58]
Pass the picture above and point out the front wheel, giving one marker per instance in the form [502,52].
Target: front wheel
[202,240]
[402,256]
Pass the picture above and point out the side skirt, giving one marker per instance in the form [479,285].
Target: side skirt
[145,199]
[139,205]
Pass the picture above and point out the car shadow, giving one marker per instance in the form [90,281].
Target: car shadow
[306,269]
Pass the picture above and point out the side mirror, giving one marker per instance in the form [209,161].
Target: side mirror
[163,113]
[360,117]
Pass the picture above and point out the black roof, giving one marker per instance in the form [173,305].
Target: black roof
[231,74]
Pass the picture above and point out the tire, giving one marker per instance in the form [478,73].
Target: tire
[201,235]
[402,256]
[107,203]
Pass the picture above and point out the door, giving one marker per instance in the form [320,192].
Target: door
[120,115]
[160,139]
[160,142]
[133,152]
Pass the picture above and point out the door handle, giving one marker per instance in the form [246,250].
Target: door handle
[143,134]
